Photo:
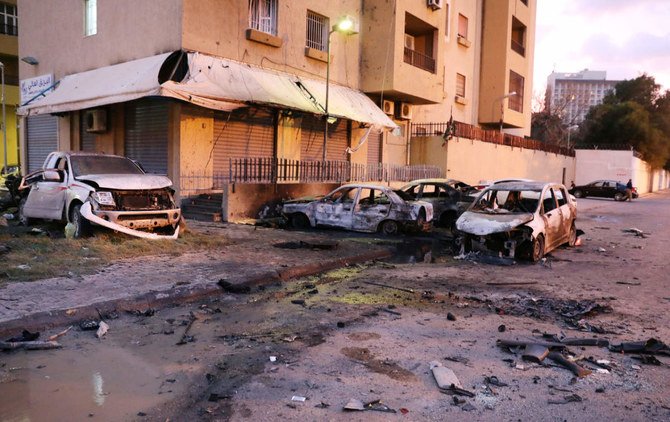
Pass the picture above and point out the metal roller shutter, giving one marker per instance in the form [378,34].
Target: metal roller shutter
[375,148]
[146,134]
[41,139]
[244,133]
[311,138]
[87,138]
[338,141]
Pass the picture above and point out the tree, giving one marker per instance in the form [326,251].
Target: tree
[636,115]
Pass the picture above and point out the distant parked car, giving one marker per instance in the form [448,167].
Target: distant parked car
[360,207]
[449,198]
[108,190]
[519,219]
[603,189]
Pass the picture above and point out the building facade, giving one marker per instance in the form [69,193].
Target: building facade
[9,50]
[216,92]
[571,95]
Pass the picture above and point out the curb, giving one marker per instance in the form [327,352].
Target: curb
[41,321]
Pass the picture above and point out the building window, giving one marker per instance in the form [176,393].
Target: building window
[447,27]
[462,26]
[525,2]
[90,17]
[8,20]
[263,16]
[317,31]
[516,85]
[460,85]
[518,36]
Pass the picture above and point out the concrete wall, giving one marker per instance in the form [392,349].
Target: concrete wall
[218,27]
[619,165]
[53,33]
[471,161]
[242,201]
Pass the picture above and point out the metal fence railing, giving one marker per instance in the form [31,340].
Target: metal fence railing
[280,170]
[464,130]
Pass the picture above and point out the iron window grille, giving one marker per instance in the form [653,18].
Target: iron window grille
[317,31]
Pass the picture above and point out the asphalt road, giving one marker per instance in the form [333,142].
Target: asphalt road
[301,350]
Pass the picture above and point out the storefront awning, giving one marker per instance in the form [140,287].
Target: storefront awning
[210,82]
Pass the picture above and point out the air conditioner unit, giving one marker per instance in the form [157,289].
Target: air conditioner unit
[388,107]
[95,121]
[405,111]
[409,41]
[435,4]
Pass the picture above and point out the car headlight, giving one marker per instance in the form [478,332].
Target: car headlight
[104,198]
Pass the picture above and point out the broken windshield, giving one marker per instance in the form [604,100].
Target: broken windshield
[100,164]
[498,201]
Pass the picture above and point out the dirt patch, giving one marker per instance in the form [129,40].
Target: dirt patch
[384,367]
[363,336]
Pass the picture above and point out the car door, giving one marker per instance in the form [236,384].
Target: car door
[552,217]
[565,212]
[46,198]
[336,209]
[372,207]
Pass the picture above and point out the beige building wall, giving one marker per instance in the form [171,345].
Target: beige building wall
[604,164]
[472,161]
[218,27]
[127,30]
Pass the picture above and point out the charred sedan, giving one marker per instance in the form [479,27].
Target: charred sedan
[449,197]
[519,219]
[108,190]
[364,208]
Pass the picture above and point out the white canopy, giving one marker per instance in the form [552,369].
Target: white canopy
[211,82]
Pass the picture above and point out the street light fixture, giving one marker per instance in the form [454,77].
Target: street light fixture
[347,26]
[570,131]
[502,108]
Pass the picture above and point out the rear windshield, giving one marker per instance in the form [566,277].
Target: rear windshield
[496,201]
[94,164]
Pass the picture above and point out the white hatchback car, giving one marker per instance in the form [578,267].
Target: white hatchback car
[525,219]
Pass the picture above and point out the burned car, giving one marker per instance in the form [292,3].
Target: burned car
[449,197]
[107,190]
[364,208]
[519,219]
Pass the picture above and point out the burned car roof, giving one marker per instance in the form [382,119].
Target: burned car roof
[525,185]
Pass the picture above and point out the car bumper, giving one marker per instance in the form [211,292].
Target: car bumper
[135,222]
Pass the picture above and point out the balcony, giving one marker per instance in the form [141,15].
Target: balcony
[420,60]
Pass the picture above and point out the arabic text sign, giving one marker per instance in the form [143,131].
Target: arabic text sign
[33,86]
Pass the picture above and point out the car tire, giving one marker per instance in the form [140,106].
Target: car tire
[299,221]
[23,220]
[572,237]
[82,227]
[421,219]
[619,196]
[537,253]
[389,227]
[579,194]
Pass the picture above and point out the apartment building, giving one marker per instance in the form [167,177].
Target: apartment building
[9,50]
[229,92]
[571,95]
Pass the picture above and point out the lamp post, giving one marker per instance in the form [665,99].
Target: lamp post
[4,117]
[345,25]
[570,131]
[502,108]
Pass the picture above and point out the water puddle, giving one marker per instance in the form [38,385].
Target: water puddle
[426,251]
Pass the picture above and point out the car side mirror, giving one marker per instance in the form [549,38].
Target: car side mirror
[52,176]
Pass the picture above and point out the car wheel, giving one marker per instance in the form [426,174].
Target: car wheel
[538,249]
[82,227]
[572,237]
[619,196]
[389,227]
[448,220]
[578,194]
[23,220]
[421,219]
[299,221]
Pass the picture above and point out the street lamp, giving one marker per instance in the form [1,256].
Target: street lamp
[570,131]
[4,117]
[502,108]
[347,26]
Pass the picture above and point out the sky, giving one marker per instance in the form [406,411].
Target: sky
[623,37]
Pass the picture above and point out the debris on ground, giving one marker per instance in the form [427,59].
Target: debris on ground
[89,325]
[102,329]
[60,334]
[30,345]
[651,346]
[186,338]
[566,399]
[229,287]
[376,405]
[25,336]
[535,353]
[579,371]
[447,381]
[493,380]
[402,289]
[636,232]
[648,360]
[312,245]
[629,283]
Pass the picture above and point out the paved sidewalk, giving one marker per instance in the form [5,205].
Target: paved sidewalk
[251,259]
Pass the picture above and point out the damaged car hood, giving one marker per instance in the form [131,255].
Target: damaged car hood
[127,181]
[481,224]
